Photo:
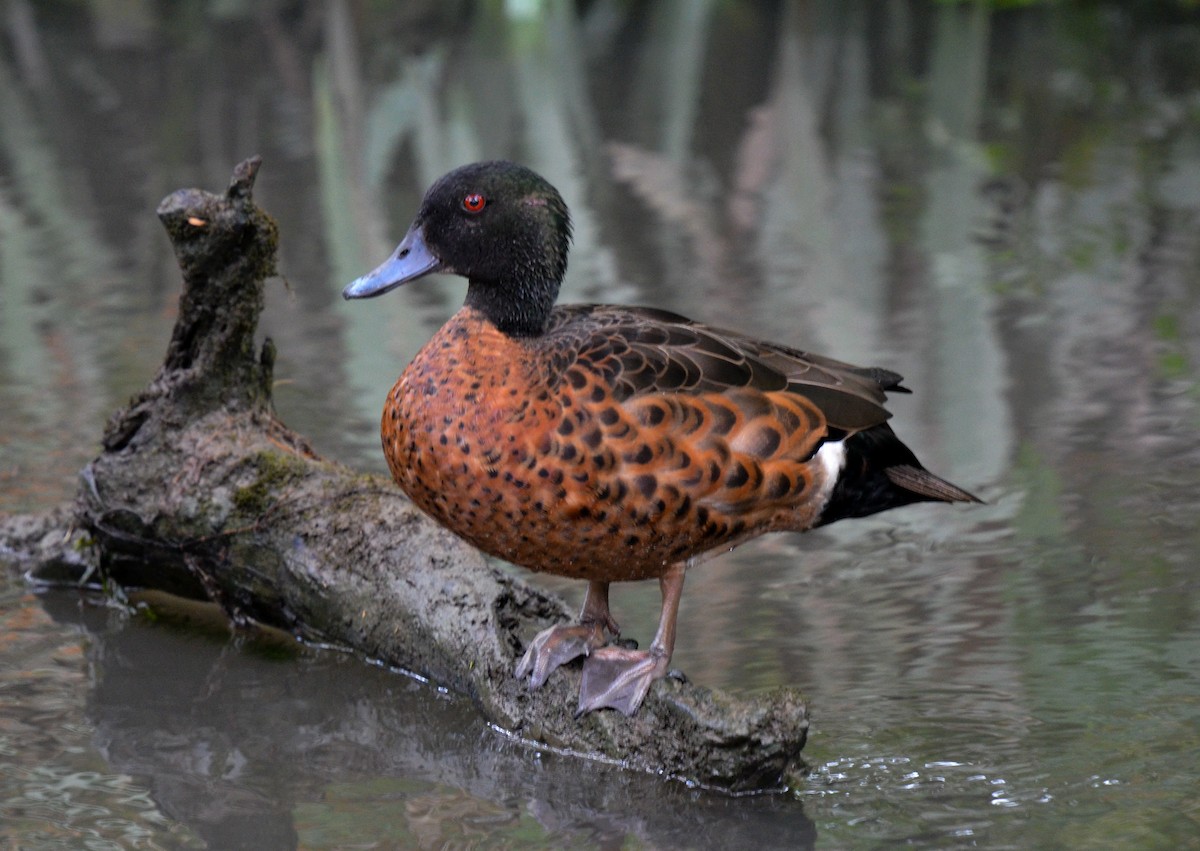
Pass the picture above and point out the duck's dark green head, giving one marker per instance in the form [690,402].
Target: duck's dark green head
[498,224]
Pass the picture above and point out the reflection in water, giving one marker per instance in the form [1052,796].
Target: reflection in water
[56,790]
[1002,205]
[259,745]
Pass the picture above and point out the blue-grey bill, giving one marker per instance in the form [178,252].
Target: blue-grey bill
[412,259]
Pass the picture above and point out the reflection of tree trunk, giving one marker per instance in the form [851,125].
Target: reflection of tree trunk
[202,492]
[966,362]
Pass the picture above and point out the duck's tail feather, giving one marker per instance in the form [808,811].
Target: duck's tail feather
[925,484]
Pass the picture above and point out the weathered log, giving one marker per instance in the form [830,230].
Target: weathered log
[201,491]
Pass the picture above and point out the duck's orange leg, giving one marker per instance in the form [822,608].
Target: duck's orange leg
[560,644]
[619,678]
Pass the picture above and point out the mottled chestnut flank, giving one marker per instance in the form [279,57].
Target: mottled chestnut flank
[613,443]
[601,449]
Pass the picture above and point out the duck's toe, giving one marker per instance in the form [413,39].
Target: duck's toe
[616,678]
[554,647]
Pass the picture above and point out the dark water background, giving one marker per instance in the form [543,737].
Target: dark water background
[1002,204]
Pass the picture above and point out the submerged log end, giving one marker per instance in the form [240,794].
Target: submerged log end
[737,744]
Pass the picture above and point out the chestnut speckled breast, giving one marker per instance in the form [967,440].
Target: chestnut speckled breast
[531,451]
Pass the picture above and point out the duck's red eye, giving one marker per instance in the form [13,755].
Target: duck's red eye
[474,202]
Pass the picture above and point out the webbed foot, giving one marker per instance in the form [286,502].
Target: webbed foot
[554,647]
[617,678]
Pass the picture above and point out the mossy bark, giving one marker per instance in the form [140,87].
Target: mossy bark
[200,491]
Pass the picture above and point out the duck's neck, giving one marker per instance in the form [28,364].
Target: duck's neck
[519,308]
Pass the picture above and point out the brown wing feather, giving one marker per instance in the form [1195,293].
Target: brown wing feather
[651,351]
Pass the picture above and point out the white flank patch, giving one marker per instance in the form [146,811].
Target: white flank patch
[832,458]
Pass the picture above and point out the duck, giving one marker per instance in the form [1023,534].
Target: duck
[613,443]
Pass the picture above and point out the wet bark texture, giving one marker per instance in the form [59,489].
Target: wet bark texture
[200,491]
